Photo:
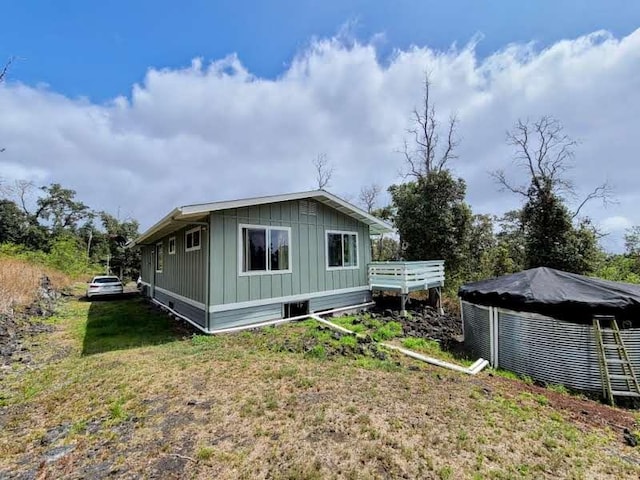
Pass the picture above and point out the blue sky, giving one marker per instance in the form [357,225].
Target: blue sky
[206,101]
[99,49]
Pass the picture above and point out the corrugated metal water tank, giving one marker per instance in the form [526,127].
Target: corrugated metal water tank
[545,348]
[477,339]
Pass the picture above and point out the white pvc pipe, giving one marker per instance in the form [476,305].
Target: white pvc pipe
[472,370]
[286,320]
[478,366]
[162,305]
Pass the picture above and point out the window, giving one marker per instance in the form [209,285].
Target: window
[172,245]
[192,239]
[264,249]
[342,250]
[159,257]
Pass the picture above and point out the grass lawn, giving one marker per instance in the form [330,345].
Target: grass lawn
[120,390]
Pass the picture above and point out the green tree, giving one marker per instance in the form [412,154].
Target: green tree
[510,248]
[14,223]
[123,261]
[60,208]
[551,237]
[431,215]
[632,241]
[68,255]
[434,221]
[383,249]
[482,255]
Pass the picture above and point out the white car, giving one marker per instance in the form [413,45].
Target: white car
[105,285]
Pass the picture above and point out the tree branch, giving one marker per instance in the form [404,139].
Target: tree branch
[324,171]
[604,192]
[427,156]
[501,178]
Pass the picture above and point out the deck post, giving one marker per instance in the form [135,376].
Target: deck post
[440,309]
[403,302]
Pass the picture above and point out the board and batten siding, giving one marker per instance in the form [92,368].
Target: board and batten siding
[146,263]
[307,253]
[183,273]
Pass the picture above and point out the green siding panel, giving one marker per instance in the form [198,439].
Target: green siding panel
[146,263]
[217,263]
[308,250]
[184,273]
[230,260]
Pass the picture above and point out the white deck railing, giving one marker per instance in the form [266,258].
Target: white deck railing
[406,277]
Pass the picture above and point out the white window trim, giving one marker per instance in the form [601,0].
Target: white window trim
[155,251]
[263,272]
[169,246]
[326,250]
[192,249]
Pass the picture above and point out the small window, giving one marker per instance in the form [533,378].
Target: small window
[264,249]
[159,257]
[172,245]
[342,250]
[192,239]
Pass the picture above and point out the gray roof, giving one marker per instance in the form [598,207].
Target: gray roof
[180,216]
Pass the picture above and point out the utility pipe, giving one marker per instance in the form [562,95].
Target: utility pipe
[472,370]
[475,368]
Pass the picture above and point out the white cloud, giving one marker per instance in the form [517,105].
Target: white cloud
[616,223]
[215,131]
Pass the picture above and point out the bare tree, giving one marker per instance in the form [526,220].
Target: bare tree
[429,154]
[324,170]
[369,196]
[3,74]
[5,69]
[22,192]
[546,153]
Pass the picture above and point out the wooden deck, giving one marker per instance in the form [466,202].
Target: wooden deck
[406,277]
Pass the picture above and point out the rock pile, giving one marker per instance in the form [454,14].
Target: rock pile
[16,326]
[421,321]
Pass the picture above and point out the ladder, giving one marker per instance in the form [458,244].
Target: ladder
[613,355]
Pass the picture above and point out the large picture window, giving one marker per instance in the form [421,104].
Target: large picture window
[159,257]
[264,249]
[342,250]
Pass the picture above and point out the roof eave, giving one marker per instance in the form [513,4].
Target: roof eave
[165,221]
[376,226]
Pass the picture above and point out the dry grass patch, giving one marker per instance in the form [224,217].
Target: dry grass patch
[19,282]
[241,406]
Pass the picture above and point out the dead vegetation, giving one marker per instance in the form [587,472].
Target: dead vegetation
[20,281]
[248,406]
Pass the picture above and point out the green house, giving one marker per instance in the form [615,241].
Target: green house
[243,262]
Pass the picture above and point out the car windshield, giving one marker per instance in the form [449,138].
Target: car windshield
[106,280]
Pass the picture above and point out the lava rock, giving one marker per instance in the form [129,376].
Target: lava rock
[631,438]
[57,453]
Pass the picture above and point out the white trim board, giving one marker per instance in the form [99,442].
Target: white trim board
[289,299]
[186,319]
[189,301]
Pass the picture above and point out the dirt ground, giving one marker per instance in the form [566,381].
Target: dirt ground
[149,399]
